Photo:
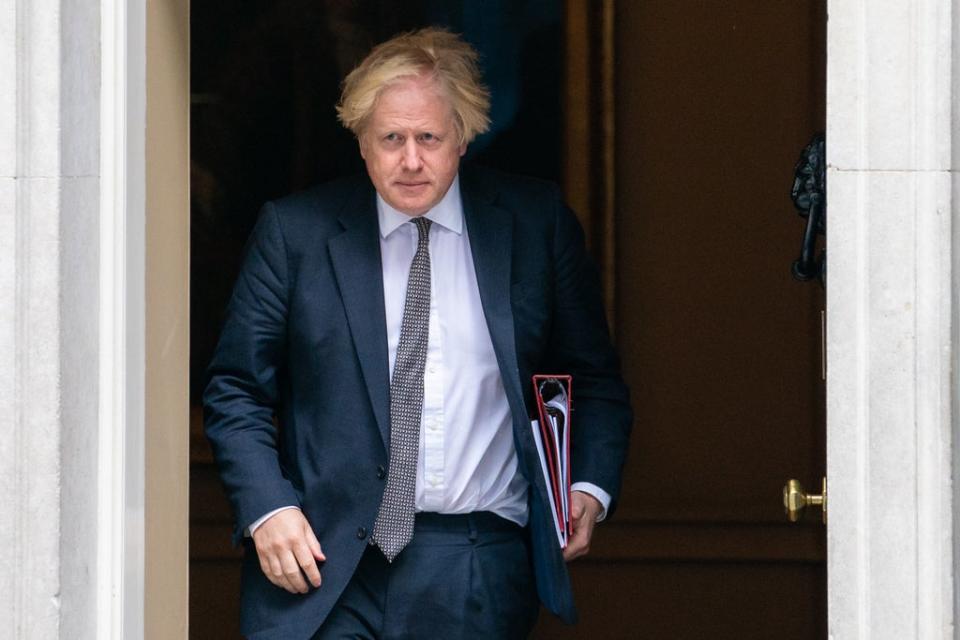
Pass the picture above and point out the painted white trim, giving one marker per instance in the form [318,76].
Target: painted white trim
[135,300]
[112,231]
[120,553]
[891,323]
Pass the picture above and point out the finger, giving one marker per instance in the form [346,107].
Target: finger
[577,509]
[307,563]
[274,580]
[291,570]
[274,573]
[573,547]
[573,551]
[579,544]
[274,570]
[578,521]
[264,565]
[314,545]
[282,582]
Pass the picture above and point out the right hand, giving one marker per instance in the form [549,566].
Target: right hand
[288,551]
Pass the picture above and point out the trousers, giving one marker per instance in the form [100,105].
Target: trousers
[461,576]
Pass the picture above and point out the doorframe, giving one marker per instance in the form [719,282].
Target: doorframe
[166,236]
[891,309]
[891,347]
[120,448]
[143,423]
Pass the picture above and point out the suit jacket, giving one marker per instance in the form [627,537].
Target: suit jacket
[305,340]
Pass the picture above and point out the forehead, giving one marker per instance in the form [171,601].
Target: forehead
[413,101]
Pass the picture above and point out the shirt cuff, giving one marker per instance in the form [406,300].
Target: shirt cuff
[259,521]
[596,492]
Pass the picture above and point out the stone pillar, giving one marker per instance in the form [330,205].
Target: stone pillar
[79,232]
[891,305]
[30,380]
[49,198]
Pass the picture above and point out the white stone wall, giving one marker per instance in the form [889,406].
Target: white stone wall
[30,345]
[49,194]
[890,302]
[79,306]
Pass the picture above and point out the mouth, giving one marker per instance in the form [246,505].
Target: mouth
[412,189]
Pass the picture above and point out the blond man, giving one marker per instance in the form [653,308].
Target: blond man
[391,322]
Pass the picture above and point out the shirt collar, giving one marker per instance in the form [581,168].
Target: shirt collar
[447,213]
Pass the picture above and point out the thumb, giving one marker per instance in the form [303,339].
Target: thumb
[577,508]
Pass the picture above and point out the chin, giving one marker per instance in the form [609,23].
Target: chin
[413,208]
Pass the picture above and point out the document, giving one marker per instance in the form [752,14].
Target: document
[551,433]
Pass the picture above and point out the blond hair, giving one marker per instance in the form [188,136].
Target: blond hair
[434,52]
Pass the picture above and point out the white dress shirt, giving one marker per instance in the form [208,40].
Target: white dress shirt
[467,461]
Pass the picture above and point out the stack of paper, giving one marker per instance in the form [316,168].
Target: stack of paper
[551,433]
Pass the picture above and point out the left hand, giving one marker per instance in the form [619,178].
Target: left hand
[584,509]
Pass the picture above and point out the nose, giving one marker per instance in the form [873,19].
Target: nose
[411,155]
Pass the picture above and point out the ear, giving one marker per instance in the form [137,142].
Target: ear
[463,149]
[363,152]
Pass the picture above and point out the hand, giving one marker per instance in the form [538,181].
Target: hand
[584,509]
[288,550]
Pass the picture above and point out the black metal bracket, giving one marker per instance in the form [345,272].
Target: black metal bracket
[809,195]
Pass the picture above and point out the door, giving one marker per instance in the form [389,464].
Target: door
[720,345]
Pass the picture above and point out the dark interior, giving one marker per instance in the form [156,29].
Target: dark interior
[721,347]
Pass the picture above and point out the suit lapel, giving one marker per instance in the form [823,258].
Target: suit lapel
[355,255]
[490,229]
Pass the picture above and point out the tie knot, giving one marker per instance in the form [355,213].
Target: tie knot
[423,226]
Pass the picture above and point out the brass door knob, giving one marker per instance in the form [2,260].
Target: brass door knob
[795,499]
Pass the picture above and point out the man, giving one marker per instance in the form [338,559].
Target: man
[392,323]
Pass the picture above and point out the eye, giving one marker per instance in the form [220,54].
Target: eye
[428,139]
[393,138]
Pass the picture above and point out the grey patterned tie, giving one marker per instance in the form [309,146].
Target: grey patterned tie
[393,528]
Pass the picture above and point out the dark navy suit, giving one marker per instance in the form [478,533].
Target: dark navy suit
[305,340]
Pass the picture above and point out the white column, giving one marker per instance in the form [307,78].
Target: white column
[30,374]
[79,296]
[890,305]
[62,514]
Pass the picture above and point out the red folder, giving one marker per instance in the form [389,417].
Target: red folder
[551,432]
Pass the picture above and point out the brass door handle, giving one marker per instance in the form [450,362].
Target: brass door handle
[795,499]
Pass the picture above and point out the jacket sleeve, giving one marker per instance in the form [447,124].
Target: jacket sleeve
[242,388]
[580,345]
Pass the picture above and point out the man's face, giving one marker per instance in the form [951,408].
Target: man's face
[411,146]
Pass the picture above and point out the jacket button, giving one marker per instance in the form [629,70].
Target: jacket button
[381,472]
[361,532]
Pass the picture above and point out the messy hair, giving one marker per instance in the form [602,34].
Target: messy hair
[432,52]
